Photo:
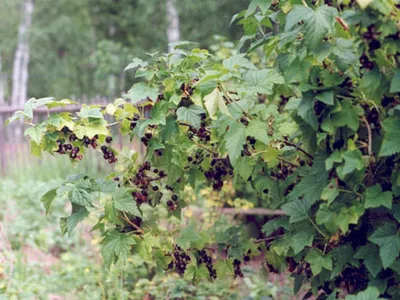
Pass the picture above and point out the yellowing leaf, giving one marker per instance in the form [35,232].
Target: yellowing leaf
[214,101]
[364,3]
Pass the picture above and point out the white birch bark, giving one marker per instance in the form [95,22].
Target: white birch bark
[21,59]
[173,30]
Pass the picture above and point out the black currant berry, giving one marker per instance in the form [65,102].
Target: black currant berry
[170,203]
[190,158]
[174,197]
[109,139]
[104,148]
[148,135]
[155,188]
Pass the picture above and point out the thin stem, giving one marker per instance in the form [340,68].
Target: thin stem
[317,228]
[271,238]
[288,162]
[350,192]
[125,217]
[304,3]
[370,154]
[112,124]
[205,148]
[298,148]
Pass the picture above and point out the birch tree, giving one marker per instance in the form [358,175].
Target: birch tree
[21,59]
[173,30]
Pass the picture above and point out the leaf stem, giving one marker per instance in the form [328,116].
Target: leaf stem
[317,228]
[297,147]
[125,217]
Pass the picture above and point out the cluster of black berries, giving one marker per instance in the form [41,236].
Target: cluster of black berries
[172,203]
[179,259]
[283,172]
[292,264]
[319,108]
[371,36]
[355,279]
[68,148]
[133,123]
[145,139]
[220,167]
[141,180]
[207,260]
[237,269]
[347,83]
[108,154]
[365,62]
[202,133]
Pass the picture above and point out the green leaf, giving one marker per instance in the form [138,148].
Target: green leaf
[141,91]
[234,139]
[348,115]
[388,240]
[318,261]
[214,102]
[300,239]
[35,133]
[224,268]
[262,81]
[79,213]
[370,84]
[391,138]
[48,198]
[274,224]
[191,115]
[313,182]
[136,62]
[306,110]
[369,254]
[316,24]
[238,61]
[258,130]
[80,194]
[297,210]
[371,293]
[374,197]
[123,201]
[244,166]
[395,83]
[188,235]
[352,161]
[90,112]
[116,246]
[262,4]
[330,192]
[326,97]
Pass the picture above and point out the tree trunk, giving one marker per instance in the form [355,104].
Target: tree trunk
[2,85]
[21,59]
[173,31]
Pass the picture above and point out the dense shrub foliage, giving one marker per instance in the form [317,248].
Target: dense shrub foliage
[310,127]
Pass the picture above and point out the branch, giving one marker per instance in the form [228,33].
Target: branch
[297,147]
[267,239]
[370,154]
[125,217]
[242,211]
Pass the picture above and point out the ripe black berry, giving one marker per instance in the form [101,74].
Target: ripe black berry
[109,139]
[190,158]
[161,173]
[86,140]
[170,203]
[246,258]
[144,139]
[155,170]
[148,135]
[374,44]
[265,191]
[76,150]
[155,188]
[72,137]
[104,148]
[174,197]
